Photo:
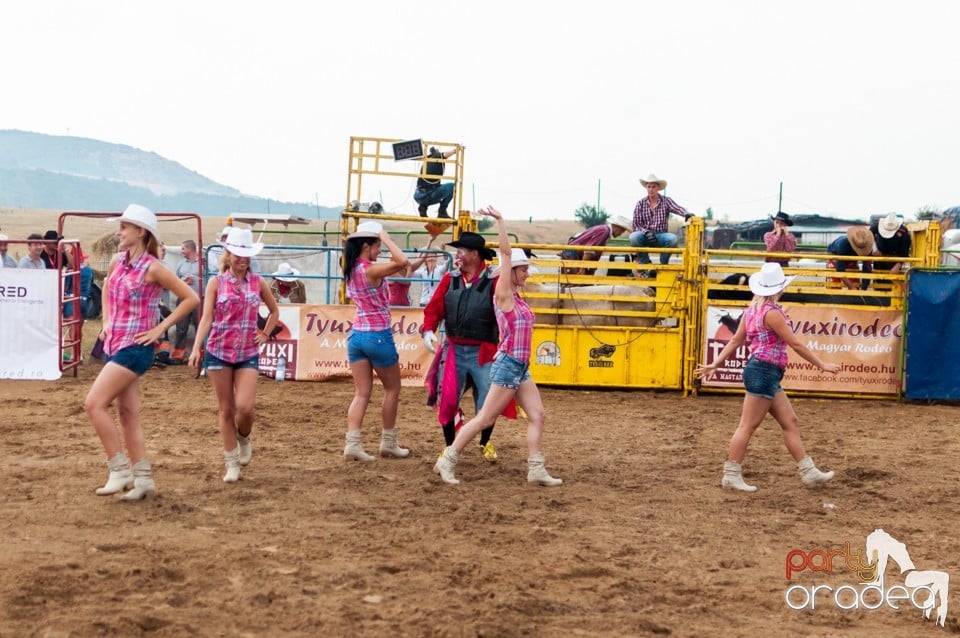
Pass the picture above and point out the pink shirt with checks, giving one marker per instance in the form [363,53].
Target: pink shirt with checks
[132,301]
[516,329]
[765,344]
[372,302]
[233,335]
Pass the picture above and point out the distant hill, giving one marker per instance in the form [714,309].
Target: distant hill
[75,173]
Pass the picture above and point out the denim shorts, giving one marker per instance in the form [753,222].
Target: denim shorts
[508,372]
[136,358]
[211,362]
[762,379]
[377,347]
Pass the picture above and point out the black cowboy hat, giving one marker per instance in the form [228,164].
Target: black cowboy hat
[52,235]
[782,216]
[473,241]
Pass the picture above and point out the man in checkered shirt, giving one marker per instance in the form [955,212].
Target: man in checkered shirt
[650,220]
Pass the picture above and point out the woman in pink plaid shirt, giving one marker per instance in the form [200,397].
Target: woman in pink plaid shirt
[370,346]
[230,308]
[135,279]
[510,373]
[764,327]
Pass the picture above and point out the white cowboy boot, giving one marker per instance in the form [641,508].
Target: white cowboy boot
[246,448]
[232,459]
[446,464]
[809,473]
[733,478]
[143,485]
[389,445]
[354,448]
[120,477]
[537,472]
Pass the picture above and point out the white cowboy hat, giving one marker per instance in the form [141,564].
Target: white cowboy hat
[140,216]
[653,179]
[621,221]
[889,226]
[224,232]
[285,272]
[367,229]
[769,281]
[518,257]
[240,242]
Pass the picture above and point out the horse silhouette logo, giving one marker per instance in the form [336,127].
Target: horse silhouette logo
[882,548]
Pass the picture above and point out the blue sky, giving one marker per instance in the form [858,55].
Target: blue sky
[852,105]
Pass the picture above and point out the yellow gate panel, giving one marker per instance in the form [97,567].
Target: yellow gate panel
[607,357]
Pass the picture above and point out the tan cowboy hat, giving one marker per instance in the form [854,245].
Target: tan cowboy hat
[889,226]
[621,221]
[653,179]
[861,239]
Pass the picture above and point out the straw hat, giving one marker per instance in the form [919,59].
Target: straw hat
[140,216]
[861,239]
[769,281]
[621,221]
[653,179]
[367,229]
[889,226]
[240,242]
[285,272]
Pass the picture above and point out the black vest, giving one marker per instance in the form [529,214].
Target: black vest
[433,167]
[469,311]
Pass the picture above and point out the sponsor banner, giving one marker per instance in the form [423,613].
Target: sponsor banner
[29,324]
[313,339]
[865,343]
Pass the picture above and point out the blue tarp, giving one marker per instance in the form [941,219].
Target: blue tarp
[932,339]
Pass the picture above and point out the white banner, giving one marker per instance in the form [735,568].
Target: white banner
[29,323]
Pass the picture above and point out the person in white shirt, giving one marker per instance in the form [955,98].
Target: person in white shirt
[6,261]
[432,269]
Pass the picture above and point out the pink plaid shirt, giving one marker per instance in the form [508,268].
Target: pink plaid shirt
[765,344]
[655,219]
[233,335]
[372,302]
[132,301]
[516,329]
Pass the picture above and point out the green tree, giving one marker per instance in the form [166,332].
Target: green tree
[589,215]
[709,213]
[484,224]
[928,212]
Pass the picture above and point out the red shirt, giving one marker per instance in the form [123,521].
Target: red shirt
[435,312]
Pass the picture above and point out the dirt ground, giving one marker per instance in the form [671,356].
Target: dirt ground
[640,540]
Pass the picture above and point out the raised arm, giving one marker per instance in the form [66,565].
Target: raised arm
[398,261]
[505,290]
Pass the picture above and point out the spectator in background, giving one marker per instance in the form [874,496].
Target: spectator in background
[858,242]
[6,261]
[597,235]
[285,287]
[780,240]
[650,218]
[215,251]
[53,257]
[400,290]
[86,285]
[893,240]
[33,258]
[431,270]
[188,271]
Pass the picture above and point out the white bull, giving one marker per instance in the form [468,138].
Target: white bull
[587,301]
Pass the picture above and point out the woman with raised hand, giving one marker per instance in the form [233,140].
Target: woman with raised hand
[764,326]
[231,305]
[510,373]
[131,291]
[370,346]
